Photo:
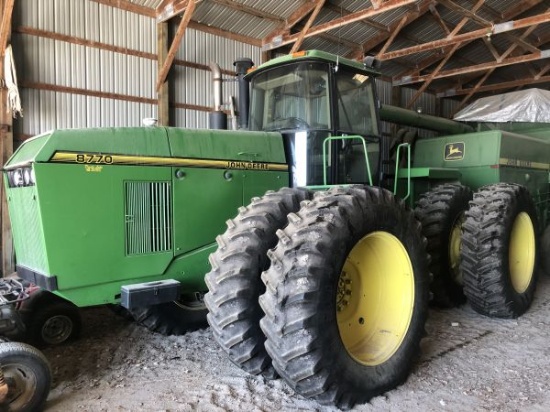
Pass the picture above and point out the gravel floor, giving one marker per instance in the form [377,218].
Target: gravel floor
[469,362]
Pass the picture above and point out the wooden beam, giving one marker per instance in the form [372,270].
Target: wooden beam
[336,23]
[224,33]
[438,19]
[235,5]
[432,76]
[5,26]
[447,57]
[471,14]
[163,108]
[297,16]
[104,46]
[476,34]
[31,31]
[442,52]
[171,9]
[394,34]
[423,8]
[520,8]
[129,6]
[163,73]
[310,21]
[494,87]
[544,54]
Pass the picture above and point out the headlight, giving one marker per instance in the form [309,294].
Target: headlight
[23,176]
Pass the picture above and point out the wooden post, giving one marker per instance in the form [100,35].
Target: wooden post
[164,91]
[6,141]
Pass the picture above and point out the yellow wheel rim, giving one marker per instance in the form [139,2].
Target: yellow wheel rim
[455,244]
[375,298]
[521,259]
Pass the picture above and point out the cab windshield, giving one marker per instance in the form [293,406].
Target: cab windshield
[298,96]
[291,97]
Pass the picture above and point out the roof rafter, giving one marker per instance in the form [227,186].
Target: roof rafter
[543,54]
[448,56]
[284,39]
[128,6]
[163,73]
[422,9]
[476,34]
[310,21]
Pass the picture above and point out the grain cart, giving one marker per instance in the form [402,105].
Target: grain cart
[327,287]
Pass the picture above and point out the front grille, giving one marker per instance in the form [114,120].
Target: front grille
[148,217]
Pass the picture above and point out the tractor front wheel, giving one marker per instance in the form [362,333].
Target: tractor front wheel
[51,320]
[28,377]
[173,318]
[234,282]
[499,251]
[441,212]
[346,296]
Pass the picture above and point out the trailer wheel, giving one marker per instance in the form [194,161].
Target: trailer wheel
[499,251]
[28,376]
[53,322]
[441,212]
[173,318]
[346,296]
[234,282]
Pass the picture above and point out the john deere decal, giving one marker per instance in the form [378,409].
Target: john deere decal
[454,151]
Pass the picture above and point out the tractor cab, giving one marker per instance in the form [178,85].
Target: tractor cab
[326,107]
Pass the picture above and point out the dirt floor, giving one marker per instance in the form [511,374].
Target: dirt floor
[469,362]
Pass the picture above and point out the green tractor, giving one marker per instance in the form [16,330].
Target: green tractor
[128,216]
[323,280]
[326,284]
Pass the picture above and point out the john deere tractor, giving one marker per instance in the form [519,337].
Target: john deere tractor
[326,284]
[323,280]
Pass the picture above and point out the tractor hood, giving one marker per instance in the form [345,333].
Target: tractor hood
[148,145]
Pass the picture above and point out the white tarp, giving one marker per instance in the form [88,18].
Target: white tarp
[532,105]
[14,102]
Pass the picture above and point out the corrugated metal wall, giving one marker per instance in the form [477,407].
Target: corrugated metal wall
[44,64]
[68,85]
[67,82]
[195,86]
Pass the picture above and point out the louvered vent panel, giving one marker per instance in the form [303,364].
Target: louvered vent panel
[148,217]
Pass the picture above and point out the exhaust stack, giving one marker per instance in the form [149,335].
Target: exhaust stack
[217,119]
[241,67]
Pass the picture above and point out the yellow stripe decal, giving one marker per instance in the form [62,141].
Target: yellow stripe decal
[108,159]
[526,164]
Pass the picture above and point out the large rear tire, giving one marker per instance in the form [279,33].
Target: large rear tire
[28,375]
[441,212]
[234,282]
[346,296]
[499,251]
[173,318]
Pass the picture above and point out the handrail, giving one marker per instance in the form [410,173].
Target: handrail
[397,161]
[355,137]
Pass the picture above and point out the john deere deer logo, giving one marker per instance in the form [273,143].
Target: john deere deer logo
[454,151]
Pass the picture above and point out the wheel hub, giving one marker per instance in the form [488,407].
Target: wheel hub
[521,258]
[375,298]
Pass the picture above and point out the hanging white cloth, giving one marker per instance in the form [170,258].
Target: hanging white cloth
[14,101]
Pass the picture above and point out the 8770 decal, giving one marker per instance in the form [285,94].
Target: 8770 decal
[87,158]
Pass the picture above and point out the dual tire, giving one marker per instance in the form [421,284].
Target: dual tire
[331,294]
[483,247]
[323,286]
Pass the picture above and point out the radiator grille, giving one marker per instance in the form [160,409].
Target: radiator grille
[148,217]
